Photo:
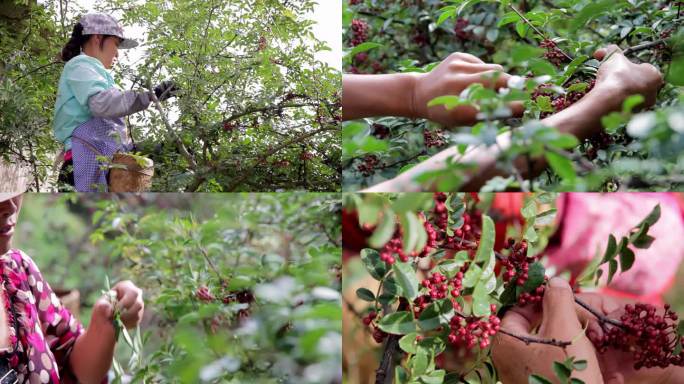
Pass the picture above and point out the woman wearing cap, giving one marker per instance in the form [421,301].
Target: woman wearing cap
[90,108]
[40,340]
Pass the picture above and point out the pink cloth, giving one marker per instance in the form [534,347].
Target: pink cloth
[47,330]
[587,219]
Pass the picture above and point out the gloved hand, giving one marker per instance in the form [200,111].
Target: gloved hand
[166,89]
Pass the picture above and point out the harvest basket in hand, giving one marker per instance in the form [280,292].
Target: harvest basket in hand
[130,173]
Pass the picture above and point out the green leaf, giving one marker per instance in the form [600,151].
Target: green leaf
[365,294]
[591,11]
[410,202]
[419,362]
[436,314]
[407,280]
[579,365]
[611,249]
[544,103]
[471,276]
[631,102]
[398,323]
[363,47]
[626,259]
[371,260]
[524,52]
[385,230]
[531,235]
[652,217]
[529,210]
[561,165]
[562,372]
[510,17]
[452,266]
[407,343]
[612,268]
[481,301]
[487,238]
[537,379]
[448,101]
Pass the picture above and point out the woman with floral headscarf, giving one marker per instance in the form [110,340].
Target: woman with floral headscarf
[40,340]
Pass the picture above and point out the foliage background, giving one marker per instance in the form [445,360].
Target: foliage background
[412,36]
[283,247]
[256,111]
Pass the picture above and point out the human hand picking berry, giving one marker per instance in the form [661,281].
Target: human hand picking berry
[128,300]
[625,78]
[621,352]
[408,94]
[515,360]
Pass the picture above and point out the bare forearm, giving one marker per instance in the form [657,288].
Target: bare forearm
[377,95]
[93,353]
[582,119]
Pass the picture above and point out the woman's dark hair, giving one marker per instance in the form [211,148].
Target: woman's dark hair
[77,40]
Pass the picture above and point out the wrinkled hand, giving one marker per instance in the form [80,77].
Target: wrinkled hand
[625,77]
[165,90]
[129,302]
[451,77]
[515,360]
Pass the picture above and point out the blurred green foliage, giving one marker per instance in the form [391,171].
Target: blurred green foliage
[283,248]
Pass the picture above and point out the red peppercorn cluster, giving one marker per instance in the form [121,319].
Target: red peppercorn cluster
[459,29]
[369,321]
[359,32]
[553,54]
[367,167]
[380,131]
[534,297]
[517,264]
[361,57]
[395,245]
[440,214]
[420,38]
[434,139]
[204,294]
[355,2]
[560,102]
[650,337]
[472,330]
[437,285]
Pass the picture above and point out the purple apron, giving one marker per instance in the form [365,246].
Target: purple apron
[96,137]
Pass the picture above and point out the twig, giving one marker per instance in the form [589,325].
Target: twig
[531,339]
[387,359]
[641,47]
[179,143]
[600,317]
[540,33]
[388,353]
[211,263]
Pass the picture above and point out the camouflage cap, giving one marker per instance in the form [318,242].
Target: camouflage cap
[103,24]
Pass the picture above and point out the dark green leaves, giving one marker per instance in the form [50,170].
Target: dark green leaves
[406,279]
[376,267]
[365,294]
[398,323]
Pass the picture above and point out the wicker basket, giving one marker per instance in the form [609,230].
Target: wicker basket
[131,177]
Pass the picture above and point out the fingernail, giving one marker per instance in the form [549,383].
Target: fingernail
[557,282]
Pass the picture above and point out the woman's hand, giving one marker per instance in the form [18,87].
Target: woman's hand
[625,78]
[451,77]
[617,367]
[129,303]
[516,361]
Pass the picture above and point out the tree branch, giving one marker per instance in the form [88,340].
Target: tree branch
[531,339]
[179,143]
